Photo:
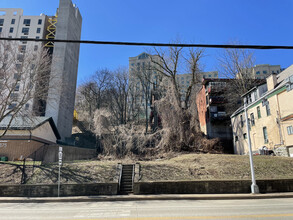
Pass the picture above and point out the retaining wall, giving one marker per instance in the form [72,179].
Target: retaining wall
[90,189]
[212,187]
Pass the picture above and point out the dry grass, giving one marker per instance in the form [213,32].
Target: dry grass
[175,167]
[216,166]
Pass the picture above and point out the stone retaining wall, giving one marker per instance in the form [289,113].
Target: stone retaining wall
[211,187]
[178,187]
[90,189]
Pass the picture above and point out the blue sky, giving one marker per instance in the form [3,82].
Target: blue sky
[268,22]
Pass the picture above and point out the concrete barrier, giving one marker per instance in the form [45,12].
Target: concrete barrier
[211,186]
[90,189]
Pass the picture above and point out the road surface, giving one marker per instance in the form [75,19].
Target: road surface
[151,210]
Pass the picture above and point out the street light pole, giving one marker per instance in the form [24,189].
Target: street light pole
[254,187]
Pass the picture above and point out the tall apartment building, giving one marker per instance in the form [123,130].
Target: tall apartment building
[65,25]
[262,71]
[143,78]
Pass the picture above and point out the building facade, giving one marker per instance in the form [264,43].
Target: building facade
[213,110]
[261,71]
[270,114]
[57,103]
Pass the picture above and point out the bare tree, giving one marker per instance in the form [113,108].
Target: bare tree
[178,121]
[145,81]
[24,81]
[93,94]
[171,63]
[237,64]
[119,93]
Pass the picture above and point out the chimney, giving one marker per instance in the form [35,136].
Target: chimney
[271,81]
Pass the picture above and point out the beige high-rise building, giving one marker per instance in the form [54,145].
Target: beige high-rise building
[66,24]
[262,71]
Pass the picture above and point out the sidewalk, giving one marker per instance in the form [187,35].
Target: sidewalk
[145,197]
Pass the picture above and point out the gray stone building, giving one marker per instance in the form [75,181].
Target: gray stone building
[65,25]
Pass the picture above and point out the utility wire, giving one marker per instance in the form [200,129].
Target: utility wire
[257,47]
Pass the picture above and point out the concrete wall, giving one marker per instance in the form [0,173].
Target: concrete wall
[212,187]
[49,153]
[15,149]
[91,189]
[60,103]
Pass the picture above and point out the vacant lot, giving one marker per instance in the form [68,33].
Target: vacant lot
[181,167]
[213,166]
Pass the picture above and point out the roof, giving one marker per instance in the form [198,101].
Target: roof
[285,74]
[281,82]
[28,123]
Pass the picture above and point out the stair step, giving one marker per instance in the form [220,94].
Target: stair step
[126,185]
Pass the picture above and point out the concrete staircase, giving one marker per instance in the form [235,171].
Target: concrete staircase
[126,182]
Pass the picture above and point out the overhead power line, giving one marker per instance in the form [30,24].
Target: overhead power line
[257,47]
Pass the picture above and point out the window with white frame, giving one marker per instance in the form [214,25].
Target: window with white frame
[290,130]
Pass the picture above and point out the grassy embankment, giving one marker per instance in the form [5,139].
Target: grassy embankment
[182,167]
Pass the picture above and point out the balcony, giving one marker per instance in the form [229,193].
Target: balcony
[217,100]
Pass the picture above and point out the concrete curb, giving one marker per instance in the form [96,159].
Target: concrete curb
[145,197]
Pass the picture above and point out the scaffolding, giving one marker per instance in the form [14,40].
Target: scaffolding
[51,31]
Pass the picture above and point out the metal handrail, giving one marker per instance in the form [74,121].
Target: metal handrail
[120,177]
[133,174]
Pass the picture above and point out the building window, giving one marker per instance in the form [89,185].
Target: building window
[245,136]
[24,37]
[257,72]
[252,119]
[14,97]
[18,66]
[1,22]
[290,130]
[25,31]
[38,30]
[0,29]
[11,30]
[27,22]
[12,106]
[16,88]
[13,21]
[40,21]
[265,135]
[20,57]
[264,72]
[22,48]
[16,76]
[258,112]
[27,106]
[37,37]
[268,110]
[241,121]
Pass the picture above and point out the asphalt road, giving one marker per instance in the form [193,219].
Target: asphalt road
[151,210]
